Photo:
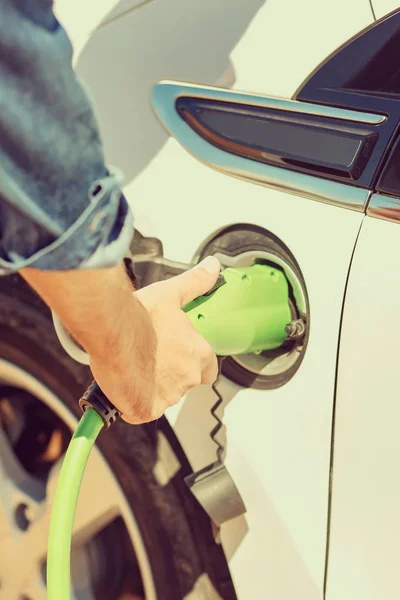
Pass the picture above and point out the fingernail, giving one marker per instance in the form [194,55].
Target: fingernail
[210,264]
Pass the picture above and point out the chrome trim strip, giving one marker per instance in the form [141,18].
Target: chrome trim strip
[191,90]
[323,190]
[384,207]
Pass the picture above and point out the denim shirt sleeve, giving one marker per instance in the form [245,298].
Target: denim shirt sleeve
[60,207]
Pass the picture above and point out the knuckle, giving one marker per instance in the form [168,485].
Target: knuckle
[192,378]
[215,371]
[196,380]
[176,397]
[208,378]
[204,349]
[210,373]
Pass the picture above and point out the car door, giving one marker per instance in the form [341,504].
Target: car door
[278,419]
[365,526]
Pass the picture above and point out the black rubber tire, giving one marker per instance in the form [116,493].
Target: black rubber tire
[175,530]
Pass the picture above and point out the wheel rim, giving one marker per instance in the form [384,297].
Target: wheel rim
[25,504]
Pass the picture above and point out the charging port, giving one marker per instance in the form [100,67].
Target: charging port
[246,245]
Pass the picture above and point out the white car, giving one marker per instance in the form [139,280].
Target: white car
[283,119]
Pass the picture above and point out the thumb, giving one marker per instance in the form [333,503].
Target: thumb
[196,281]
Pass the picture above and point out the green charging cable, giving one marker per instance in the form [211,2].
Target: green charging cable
[98,413]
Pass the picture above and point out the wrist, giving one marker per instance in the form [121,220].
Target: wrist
[124,335]
[100,311]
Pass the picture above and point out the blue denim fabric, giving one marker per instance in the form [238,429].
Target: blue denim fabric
[60,208]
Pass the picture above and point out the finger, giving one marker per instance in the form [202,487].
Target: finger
[210,371]
[196,281]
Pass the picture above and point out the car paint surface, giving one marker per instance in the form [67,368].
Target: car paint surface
[383,7]
[365,526]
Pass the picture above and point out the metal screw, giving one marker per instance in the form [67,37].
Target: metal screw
[296,329]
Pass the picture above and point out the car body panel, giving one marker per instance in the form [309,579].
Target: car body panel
[278,442]
[365,524]
[80,24]
[383,7]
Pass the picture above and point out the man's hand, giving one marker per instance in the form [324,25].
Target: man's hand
[144,352]
[183,359]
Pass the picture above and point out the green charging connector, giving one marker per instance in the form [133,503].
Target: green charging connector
[247,314]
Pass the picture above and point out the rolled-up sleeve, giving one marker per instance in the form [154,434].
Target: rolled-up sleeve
[60,206]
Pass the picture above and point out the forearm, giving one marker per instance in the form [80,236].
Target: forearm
[91,304]
[100,310]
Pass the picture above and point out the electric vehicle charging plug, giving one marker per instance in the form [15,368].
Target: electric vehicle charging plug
[248,314]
